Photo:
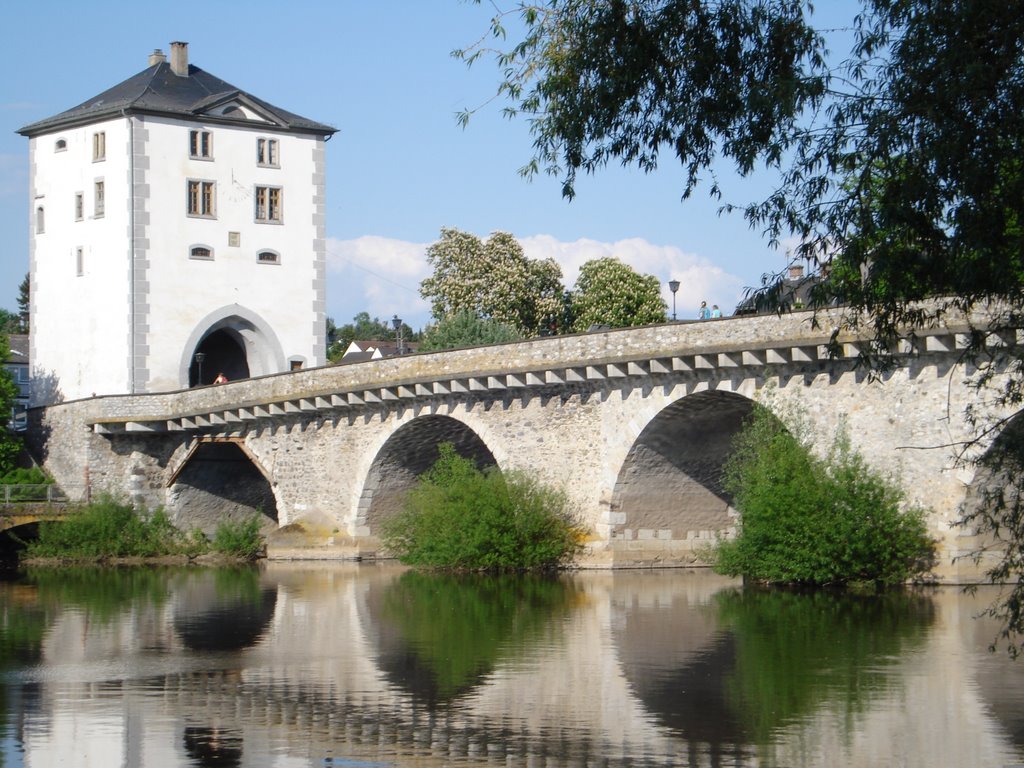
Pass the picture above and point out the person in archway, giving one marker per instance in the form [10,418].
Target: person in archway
[221,378]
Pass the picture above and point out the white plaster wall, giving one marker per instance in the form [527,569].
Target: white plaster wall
[79,322]
[184,291]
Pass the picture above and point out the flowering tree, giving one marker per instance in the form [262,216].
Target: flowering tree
[493,279]
[611,293]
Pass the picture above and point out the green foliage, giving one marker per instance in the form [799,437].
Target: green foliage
[363,328]
[108,528]
[611,293]
[493,279]
[239,538]
[465,329]
[816,521]
[460,517]
[486,618]
[24,305]
[25,476]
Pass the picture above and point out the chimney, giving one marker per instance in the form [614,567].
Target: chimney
[796,271]
[157,57]
[179,59]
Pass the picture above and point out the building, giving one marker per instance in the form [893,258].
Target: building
[17,362]
[177,233]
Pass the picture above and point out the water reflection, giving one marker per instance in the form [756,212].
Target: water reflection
[439,636]
[347,665]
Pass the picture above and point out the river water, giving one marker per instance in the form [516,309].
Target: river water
[363,666]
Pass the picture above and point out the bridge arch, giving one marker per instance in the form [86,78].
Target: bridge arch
[669,486]
[406,454]
[232,340]
[218,481]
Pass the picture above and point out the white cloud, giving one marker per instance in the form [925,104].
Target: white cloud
[381,275]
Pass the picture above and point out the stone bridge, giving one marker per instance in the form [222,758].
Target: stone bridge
[634,425]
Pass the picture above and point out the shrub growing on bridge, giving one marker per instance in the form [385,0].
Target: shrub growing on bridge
[817,521]
[462,518]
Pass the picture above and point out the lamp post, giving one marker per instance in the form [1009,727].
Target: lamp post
[673,285]
[396,321]
[200,356]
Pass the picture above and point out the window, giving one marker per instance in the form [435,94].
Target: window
[268,204]
[79,261]
[200,144]
[266,152]
[99,202]
[200,200]
[268,257]
[234,239]
[294,365]
[202,252]
[60,145]
[79,206]
[99,146]
[40,220]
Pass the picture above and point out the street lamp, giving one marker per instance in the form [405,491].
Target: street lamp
[396,321]
[200,356]
[673,285]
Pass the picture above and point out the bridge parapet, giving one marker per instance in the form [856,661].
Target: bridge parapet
[709,348]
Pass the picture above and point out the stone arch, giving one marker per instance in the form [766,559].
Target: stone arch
[407,453]
[235,341]
[219,481]
[670,485]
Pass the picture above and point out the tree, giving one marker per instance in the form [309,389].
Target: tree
[24,306]
[898,168]
[465,329]
[816,521]
[611,293]
[10,444]
[493,279]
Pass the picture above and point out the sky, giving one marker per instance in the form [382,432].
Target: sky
[400,167]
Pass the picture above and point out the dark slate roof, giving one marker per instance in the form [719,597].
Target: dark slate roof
[158,91]
[19,348]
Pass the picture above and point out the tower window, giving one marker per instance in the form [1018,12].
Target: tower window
[200,145]
[268,257]
[99,146]
[40,220]
[60,145]
[202,252]
[266,152]
[79,206]
[268,204]
[99,201]
[79,261]
[200,198]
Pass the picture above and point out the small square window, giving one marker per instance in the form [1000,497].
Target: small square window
[200,199]
[99,146]
[234,239]
[200,145]
[266,152]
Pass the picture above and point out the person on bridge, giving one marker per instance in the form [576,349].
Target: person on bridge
[715,311]
[221,379]
[703,313]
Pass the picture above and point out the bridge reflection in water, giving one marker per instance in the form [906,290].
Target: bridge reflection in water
[357,665]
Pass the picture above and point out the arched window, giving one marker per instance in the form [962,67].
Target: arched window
[268,257]
[60,145]
[201,252]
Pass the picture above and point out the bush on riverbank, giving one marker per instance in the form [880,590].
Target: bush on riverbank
[109,528]
[459,517]
[816,521]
